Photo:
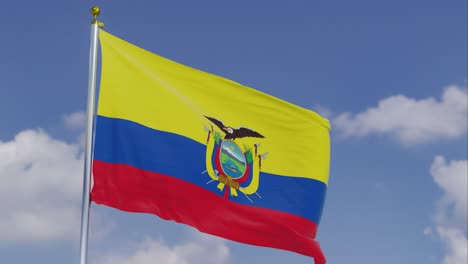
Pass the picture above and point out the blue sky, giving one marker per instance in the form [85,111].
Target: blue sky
[390,75]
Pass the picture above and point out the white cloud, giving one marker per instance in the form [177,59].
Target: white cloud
[456,244]
[451,211]
[323,111]
[452,178]
[201,249]
[40,188]
[410,120]
[428,232]
[75,120]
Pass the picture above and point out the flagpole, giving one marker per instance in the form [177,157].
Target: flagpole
[89,135]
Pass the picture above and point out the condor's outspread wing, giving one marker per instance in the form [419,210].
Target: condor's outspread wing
[245,132]
[218,123]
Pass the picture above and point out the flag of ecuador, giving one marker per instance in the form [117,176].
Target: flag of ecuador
[208,152]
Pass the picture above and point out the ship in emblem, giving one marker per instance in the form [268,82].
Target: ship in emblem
[235,168]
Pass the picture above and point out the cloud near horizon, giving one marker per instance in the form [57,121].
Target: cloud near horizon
[411,121]
[76,120]
[450,217]
[199,249]
[41,188]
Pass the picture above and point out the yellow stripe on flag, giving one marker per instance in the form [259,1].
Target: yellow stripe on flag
[153,91]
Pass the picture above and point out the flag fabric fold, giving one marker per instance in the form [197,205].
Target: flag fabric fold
[205,151]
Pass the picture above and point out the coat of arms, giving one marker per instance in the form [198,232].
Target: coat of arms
[235,167]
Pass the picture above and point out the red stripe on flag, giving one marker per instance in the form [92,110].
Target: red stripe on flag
[134,190]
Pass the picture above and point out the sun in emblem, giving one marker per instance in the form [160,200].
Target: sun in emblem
[235,168]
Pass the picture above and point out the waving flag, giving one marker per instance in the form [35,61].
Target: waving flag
[208,152]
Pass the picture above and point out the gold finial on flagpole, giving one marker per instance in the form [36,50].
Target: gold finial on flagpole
[95,11]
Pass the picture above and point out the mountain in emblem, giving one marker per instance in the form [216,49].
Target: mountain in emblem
[233,133]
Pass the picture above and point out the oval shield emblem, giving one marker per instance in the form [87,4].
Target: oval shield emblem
[232,159]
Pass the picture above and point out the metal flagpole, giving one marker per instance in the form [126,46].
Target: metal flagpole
[89,134]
